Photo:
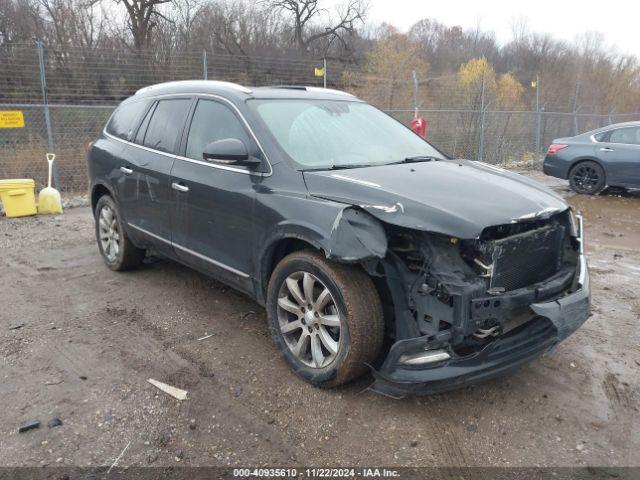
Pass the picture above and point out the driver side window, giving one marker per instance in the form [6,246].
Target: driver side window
[213,121]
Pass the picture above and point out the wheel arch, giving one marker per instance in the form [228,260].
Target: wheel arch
[276,250]
[98,190]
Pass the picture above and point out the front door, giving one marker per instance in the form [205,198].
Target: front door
[213,212]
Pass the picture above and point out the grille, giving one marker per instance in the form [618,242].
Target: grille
[527,258]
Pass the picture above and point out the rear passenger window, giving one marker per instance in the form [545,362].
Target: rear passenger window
[629,135]
[124,120]
[213,121]
[166,124]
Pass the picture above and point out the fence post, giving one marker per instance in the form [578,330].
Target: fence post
[204,64]
[415,93]
[538,121]
[47,114]
[324,72]
[575,108]
[481,143]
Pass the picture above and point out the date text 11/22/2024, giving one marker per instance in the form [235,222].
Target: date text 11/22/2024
[315,472]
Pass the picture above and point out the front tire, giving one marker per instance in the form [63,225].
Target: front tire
[587,177]
[326,318]
[115,247]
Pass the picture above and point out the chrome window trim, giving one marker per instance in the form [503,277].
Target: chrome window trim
[189,251]
[202,162]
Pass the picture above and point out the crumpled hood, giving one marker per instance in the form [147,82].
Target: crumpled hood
[452,197]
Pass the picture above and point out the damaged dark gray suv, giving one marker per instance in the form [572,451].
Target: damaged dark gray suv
[368,246]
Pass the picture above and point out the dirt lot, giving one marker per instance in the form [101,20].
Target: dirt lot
[88,340]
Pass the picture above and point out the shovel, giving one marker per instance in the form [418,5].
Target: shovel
[49,200]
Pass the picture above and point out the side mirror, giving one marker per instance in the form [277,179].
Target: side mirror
[229,151]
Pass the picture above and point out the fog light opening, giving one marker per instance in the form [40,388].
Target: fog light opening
[423,358]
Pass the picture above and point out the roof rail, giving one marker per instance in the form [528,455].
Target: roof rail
[329,90]
[311,89]
[218,83]
[288,87]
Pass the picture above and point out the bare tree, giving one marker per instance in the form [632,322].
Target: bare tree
[72,23]
[20,20]
[142,19]
[311,23]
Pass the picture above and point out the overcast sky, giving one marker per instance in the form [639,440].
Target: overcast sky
[618,20]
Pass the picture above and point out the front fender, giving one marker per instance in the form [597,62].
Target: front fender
[347,234]
[344,233]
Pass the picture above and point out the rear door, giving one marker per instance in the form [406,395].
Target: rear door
[148,162]
[619,149]
[114,164]
[213,209]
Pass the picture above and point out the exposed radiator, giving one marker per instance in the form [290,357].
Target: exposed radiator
[527,258]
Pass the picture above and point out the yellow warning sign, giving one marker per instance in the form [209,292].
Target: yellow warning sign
[11,119]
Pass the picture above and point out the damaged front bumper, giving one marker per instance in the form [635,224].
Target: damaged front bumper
[428,364]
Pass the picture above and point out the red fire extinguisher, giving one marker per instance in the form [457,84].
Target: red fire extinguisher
[419,126]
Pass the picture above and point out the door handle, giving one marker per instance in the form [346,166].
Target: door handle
[126,171]
[180,188]
[606,149]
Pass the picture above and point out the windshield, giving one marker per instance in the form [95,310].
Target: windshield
[320,134]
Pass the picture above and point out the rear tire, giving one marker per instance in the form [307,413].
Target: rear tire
[587,177]
[115,247]
[326,318]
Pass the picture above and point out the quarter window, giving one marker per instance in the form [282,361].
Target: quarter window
[143,126]
[602,136]
[629,135]
[124,120]
[213,121]
[166,124]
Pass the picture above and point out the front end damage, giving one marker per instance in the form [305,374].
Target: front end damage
[465,310]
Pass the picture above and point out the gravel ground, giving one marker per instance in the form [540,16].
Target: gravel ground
[79,342]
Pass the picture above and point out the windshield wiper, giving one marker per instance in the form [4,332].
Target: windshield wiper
[416,159]
[420,158]
[341,167]
[345,166]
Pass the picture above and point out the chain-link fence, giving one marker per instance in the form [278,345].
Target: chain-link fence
[66,96]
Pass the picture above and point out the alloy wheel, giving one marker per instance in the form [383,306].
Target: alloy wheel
[586,178]
[309,319]
[109,233]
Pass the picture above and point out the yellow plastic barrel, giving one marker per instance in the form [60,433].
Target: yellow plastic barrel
[18,197]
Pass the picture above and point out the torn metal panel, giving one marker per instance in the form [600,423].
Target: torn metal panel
[568,313]
[355,236]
